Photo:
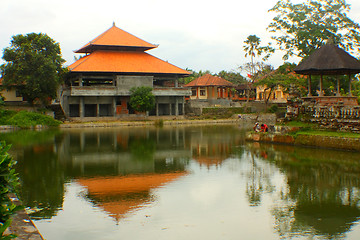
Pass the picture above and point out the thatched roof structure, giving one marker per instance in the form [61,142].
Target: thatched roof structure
[329,60]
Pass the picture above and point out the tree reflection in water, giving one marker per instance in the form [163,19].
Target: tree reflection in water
[322,195]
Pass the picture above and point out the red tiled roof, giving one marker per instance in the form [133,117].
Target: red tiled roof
[124,62]
[209,80]
[115,37]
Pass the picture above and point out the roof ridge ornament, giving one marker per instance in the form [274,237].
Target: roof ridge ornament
[114,24]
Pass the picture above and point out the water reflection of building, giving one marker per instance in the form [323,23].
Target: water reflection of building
[120,195]
[126,151]
[211,147]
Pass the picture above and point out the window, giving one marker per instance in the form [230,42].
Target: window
[17,93]
[202,92]
[193,92]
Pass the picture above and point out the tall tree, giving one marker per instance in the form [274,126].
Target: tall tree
[233,77]
[253,49]
[33,66]
[304,27]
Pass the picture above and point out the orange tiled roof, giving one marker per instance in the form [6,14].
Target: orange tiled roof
[209,80]
[116,37]
[124,62]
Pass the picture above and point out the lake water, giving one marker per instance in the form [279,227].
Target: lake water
[197,182]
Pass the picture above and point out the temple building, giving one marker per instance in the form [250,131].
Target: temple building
[99,82]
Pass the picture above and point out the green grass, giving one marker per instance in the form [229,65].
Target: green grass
[300,124]
[25,119]
[328,133]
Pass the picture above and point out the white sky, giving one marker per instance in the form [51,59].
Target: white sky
[199,35]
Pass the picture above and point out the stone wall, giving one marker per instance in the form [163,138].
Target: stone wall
[307,140]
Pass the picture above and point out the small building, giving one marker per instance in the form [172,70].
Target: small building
[99,83]
[212,89]
[11,96]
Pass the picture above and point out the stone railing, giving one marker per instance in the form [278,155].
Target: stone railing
[334,112]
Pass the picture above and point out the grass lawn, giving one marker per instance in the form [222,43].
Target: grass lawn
[328,133]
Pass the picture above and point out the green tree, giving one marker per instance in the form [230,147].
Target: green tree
[33,66]
[302,28]
[233,77]
[194,75]
[142,99]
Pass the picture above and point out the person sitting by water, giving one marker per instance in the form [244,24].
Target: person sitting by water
[264,128]
[256,127]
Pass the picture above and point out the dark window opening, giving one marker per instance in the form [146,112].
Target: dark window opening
[105,110]
[74,110]
[90,110]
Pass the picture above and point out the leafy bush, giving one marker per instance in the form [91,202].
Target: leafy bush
[142,99]
[5,115]
[8,182]
[25,119]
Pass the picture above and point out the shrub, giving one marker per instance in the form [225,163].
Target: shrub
[5,115]
[25,119]
[8,182]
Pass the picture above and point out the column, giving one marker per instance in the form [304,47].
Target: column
[321,86]
[157,108]
[309,86]
[82,107]
[176,107]
[170,109]
[97,110]
[183,106]
[350,94]
[114,106]
[338,86]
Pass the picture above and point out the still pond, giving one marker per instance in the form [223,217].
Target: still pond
[188,182]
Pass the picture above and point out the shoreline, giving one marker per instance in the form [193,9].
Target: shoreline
[317,141]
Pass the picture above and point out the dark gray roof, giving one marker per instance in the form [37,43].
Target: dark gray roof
[329,60]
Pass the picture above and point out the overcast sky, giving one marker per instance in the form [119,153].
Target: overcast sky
[199,35]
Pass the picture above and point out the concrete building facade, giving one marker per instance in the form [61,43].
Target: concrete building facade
[99,83]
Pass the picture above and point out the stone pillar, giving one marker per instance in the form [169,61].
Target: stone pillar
[183,106]
[176,83]
[350,94]
[114,106]
[157,108]
[309,86]
[82,107]
[97,110]
[321,86]
[176,106]
[80,80]
[170,109]
[338,87]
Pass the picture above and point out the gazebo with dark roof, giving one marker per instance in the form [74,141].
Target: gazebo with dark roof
[329,60]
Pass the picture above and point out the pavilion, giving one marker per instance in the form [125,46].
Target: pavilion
[329,60]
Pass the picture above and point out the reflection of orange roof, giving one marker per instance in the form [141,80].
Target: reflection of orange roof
[127,184]
[209,80]
[130,192]
[115,38]
[209,161]
[124,62]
